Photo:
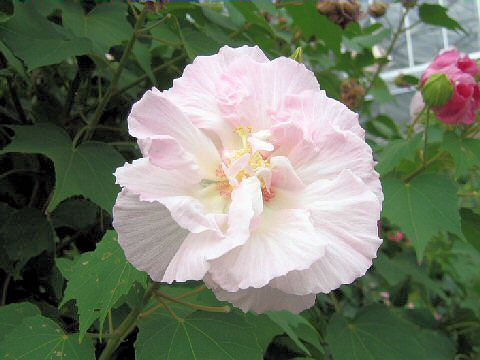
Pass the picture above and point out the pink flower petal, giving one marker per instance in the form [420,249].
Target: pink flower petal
[178,190]
[194,92]
[284,175]
[153,116]
[337,152]
[284,241]
[146,225]
[345,214]
[249,90]
[190,261]
[266,299]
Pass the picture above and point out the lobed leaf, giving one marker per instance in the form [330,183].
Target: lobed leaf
[38,337]
[85,170]
[98,280]
[423,207]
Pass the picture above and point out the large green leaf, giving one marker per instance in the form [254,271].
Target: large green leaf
[471,227]
[38,337]
[396,151]
[434,14]
[422,208]
[99,279]
[398,268]
[465,152]
[106,25]
[12,314]
[377,333]
[307,18]
[24,234]
[38,41]
[200,336]
[86,170]
[297,327]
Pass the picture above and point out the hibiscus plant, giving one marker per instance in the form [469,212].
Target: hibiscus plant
[217,180]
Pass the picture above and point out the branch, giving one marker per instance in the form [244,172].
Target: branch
[113,84]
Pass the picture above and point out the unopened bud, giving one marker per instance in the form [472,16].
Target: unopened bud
[438,90]
[377,9]
[298,55]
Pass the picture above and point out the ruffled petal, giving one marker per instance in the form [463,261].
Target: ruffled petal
[248,92]
[167,153]
[195,91]
[316,113]
[337,152]
[284,175]
[147,233]
[155,117]
[190,261]
[285,240]
[345,213]
[178,190]
[264,299]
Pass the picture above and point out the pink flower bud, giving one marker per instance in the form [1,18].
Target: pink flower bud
[461,71]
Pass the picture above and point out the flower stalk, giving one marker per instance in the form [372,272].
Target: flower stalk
[113,84]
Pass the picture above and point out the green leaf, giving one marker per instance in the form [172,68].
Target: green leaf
[434,14]
[201,336]
[396,151]
[377,333]
[99,279]
[383,126]
[38,337]
[422,208]
[66,267]
[196,43]
[396,269]
[297,327]
[12,314]
[141,52]
[380,92]
[77,214]
[12,60]
[471,227]
[24,234]
[86,170]
[38,41]
[106,25]
[465,152]
[265,329]
[251,14]
[307,18]
[367,41]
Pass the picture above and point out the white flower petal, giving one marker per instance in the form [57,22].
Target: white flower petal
[264,299]
[284,175]
[176,189]
[345,213]
[337,152]
[285,240]
[195,91]
[154,116]
[147,233]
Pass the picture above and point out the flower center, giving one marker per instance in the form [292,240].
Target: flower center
[252,159]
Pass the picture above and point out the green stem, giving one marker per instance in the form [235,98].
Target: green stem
[127,325]
[409,177]
[426,138]
[388,52]
[113,84]
[411,128]
[222,309]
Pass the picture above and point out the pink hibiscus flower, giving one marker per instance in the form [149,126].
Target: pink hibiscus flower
[465,101]
[252,180]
